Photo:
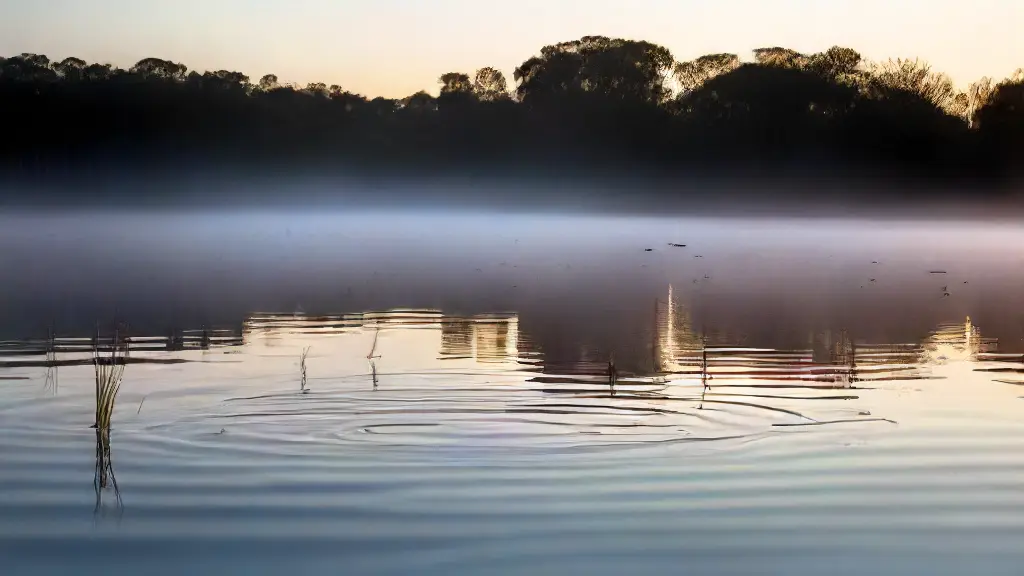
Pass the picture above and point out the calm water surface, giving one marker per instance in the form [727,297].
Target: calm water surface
[788,396]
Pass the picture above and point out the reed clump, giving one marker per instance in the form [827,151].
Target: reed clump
[109,374]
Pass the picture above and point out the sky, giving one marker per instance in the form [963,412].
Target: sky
[394,48]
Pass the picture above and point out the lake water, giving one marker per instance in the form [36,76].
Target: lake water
[513,394]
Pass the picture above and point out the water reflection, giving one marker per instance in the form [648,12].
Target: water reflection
[953,342]
[105,480]
[425,378]
[485,338]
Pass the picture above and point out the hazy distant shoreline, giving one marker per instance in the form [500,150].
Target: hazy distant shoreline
[639,193]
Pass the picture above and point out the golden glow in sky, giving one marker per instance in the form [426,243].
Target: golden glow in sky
[395,47]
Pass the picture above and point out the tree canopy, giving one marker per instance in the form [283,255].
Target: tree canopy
[595,102]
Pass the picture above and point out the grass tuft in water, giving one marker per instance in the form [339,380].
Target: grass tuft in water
[109,373]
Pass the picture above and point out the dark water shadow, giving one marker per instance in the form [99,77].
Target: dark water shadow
[105,480]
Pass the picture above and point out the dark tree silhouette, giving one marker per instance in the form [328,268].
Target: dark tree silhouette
[1001,125]
[155,68]
[595,104]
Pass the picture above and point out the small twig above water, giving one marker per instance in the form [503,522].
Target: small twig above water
[302,369]
[825,423]
[52,381]
[613,375]
[373,346]
[704,376]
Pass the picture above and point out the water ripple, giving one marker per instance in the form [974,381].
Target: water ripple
[441,438]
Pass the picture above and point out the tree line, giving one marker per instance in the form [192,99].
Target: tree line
[595,103]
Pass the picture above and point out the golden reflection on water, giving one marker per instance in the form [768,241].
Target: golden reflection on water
[691,373]
[411,370]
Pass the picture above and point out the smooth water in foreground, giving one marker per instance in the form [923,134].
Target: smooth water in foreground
[514,395]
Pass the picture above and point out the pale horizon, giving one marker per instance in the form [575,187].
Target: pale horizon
[394,48]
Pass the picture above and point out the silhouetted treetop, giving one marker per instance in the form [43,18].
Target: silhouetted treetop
[455,82]
[837,63]
[489,85]
[778,56]
[694,73]
[268,82]
[913,77]
[420,102]
[609,67]
[156,68]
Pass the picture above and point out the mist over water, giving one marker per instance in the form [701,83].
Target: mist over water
[392,391]
[769,280]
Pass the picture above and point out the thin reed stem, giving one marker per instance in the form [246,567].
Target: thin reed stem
[302,369]
[52,382]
